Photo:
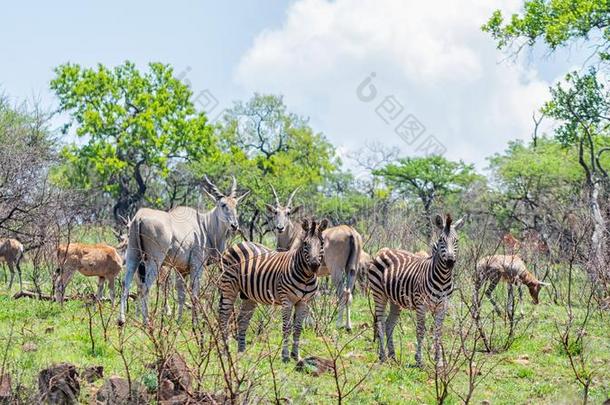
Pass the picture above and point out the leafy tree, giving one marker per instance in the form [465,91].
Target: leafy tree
[555,22]
[427,178]
[262,143]
[132,126]
[535,185]
[581,104]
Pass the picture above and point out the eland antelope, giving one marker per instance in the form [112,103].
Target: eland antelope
[183,238]
[343,254]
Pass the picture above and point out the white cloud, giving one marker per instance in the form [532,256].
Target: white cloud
[432,56]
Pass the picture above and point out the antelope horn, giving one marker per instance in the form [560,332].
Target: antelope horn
[233,186]
[289,203]
[212,189]
[277,200]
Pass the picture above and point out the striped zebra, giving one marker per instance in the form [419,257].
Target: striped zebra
[262,276]
[407,280]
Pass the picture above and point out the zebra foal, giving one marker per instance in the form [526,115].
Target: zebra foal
[262,276]
[417,283]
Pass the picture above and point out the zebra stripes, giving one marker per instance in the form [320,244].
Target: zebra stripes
[406,280]
[262,276]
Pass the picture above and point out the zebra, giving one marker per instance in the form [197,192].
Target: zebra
[417,283]
[260,275]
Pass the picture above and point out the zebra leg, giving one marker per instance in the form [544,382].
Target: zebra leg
[439,316]
[420,332]
[286,328]
[100,288]
[300,311]
[380,304]
[243,320]
[227,301]
[389,328]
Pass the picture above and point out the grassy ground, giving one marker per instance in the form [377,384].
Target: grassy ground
[535,369]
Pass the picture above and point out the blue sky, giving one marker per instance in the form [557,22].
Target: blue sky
[432,59]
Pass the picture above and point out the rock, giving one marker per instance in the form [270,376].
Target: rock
[49,330]
[485,402]
[29,347]
[314,365]
[59,384]
[93,373]
[116,391]
[523,360]
[6,390]
[175,371]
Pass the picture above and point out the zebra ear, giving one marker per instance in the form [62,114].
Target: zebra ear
[438,221]
[323,225]
[305,225]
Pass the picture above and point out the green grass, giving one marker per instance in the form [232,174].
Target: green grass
[61,334]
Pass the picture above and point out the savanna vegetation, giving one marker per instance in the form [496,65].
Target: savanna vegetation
[134,138]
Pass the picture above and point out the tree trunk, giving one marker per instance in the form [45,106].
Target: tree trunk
[597,264]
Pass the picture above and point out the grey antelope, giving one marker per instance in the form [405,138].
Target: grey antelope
[11,252]
[261,276]
[510,269]
[343,254]
[406,280]
[183,238]
[100,260]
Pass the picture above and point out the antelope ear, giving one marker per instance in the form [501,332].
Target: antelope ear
[305,225]
[541,284]
[438,221]
[295,209]
[458,224]
[270,208]
[323,225]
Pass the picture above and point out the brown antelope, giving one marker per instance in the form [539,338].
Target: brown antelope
[510,269]
[183,238]
[343,254]
[11,252]
[98,260]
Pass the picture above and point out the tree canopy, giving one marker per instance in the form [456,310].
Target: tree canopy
[427,178]
[132,127]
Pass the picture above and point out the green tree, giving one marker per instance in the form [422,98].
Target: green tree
[132,127]
[555,22]
[534,185]
[581,103]
[262,143]
[427,178]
